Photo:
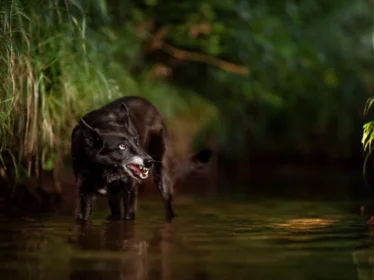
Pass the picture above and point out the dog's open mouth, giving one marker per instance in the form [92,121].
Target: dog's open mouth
[138,171]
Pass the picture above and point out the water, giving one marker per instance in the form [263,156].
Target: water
[210,239]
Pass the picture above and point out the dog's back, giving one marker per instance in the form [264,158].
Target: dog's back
[144,115]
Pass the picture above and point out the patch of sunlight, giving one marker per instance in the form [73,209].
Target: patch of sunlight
[305,223]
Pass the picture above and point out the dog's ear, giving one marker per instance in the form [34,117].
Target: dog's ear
[201,158]
[123,115]
[91,135]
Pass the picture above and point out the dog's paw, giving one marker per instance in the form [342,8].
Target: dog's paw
[130,217]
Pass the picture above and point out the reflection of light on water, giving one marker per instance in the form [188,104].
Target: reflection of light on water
[305,224]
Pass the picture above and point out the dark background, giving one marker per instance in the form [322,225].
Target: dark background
[276,88]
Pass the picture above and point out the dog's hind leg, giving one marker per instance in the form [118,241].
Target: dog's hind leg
[164,186]
[162,168]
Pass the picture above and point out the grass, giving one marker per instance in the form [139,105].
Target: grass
[53,68]
[47,77]
[367,135]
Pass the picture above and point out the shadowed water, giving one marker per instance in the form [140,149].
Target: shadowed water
[210,239]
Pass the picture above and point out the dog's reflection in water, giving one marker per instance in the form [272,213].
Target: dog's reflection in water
[118,252]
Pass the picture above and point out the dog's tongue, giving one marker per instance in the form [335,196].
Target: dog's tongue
[134,168]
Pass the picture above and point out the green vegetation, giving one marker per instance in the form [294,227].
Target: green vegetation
[54,68]
[368,136]
[285,77]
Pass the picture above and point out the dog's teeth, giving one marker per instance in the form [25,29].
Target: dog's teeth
[144,169]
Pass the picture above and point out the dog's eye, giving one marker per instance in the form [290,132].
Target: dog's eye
[137,142]
[122,147]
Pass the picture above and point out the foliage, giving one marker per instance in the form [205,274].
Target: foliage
[47,74]
[298,73]
[285,76]
[367,136]
[55,67]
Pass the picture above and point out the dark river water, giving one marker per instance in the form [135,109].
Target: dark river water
[215,238]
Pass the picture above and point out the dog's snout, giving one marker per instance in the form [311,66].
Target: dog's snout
[148,162]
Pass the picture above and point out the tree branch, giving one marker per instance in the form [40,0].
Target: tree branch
[199,57]
[158,43]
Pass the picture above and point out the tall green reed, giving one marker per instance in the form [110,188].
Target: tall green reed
[48,78]
[54,67]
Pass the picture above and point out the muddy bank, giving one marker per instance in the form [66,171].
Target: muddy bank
[47,192]
[216,177]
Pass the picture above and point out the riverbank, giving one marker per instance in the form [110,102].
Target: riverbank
[284,180]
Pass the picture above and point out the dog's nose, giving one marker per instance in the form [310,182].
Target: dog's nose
[148,162]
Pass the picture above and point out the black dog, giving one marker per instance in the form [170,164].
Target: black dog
[114,148]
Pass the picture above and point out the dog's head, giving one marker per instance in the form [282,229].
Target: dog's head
[114,143]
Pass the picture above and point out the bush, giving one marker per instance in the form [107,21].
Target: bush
[55,67]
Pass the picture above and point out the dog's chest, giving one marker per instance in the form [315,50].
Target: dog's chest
[111,176]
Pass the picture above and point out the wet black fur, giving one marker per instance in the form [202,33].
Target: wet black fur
[96,158]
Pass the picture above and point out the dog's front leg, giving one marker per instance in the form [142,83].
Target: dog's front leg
[85,200]
[130,201]
[114,201]
[114,193]
[85,208]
